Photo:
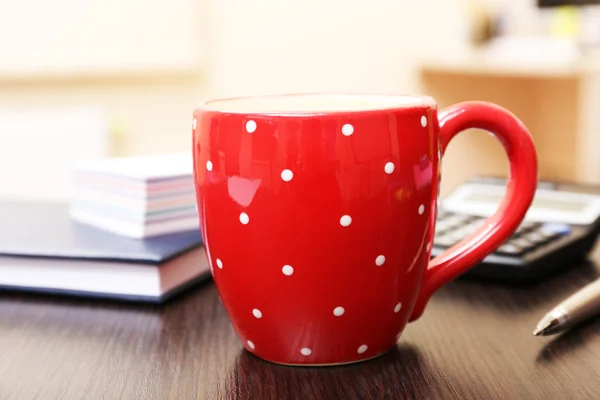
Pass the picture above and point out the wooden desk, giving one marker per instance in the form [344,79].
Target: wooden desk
[474,342]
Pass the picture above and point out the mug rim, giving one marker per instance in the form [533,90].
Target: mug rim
[417,101]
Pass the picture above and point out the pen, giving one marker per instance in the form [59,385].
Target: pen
[580,306]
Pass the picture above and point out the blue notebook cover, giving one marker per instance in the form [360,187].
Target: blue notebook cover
[42,229]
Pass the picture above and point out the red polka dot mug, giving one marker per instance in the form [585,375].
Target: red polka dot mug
[318,213]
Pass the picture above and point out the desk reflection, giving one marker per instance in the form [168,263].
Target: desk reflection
[393,375]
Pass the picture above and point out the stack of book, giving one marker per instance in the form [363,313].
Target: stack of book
[43,250]
[138,197]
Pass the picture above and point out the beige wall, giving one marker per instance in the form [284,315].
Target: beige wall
[142,61]
[267,46]
[254,47]
[259,46]
[146,114]
[62,37]
[264,46]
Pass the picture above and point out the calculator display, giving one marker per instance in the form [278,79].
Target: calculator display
[561,226]
[541,203]
[578,207]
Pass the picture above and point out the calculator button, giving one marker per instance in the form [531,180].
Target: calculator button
[522,229]
[522,243]
[536,237]
[555,229]
[509,249]
[525,228]
[529,225]
[549,234]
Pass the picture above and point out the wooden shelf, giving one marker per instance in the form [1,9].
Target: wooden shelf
[558,102]
[480,65]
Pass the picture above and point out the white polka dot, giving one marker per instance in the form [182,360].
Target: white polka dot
[421,209]
[362,349]
[398,308]
[347,130]
[423,121]
[346,220]
[194,123]
[250,126]
[305,351]
[287,175]
[244,218]
[380,260]
[389,168]
[257,313]
[250,344]
[428,247]
[287,270]
[209,165]
[339,311]
[219,263]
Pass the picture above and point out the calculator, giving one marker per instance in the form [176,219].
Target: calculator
[558,231]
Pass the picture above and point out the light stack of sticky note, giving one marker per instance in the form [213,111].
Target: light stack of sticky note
[137,197]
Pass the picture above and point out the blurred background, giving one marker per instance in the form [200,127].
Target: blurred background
[91,79]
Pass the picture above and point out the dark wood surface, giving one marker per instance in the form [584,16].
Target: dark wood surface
[474,342]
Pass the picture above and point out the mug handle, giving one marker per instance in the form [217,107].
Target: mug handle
[521,186]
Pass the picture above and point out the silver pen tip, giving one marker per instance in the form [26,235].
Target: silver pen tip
[551,323]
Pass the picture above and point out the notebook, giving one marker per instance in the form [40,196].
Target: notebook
[43,250]
[138,197]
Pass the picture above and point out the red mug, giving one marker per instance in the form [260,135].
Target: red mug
[318,214]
